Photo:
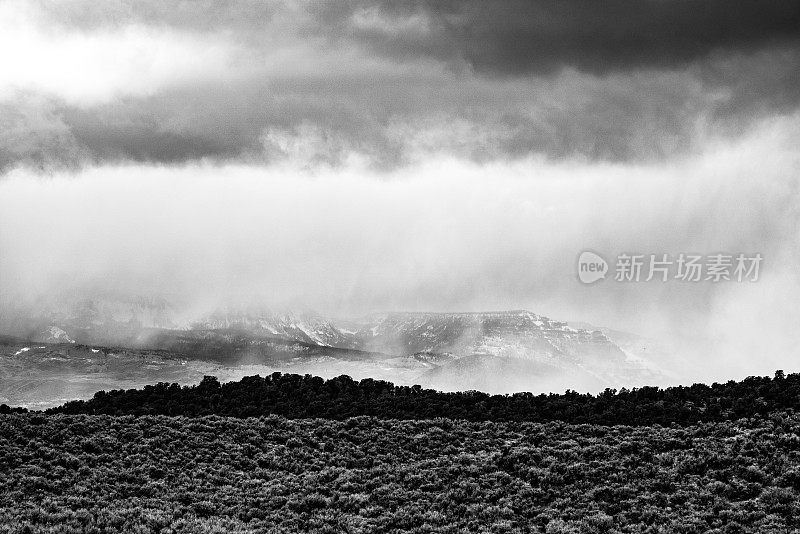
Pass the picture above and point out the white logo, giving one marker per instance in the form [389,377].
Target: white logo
[591,267]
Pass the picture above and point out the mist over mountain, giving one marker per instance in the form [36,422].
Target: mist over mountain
[410,209]
[497,352]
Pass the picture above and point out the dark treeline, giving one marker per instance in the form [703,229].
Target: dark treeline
[6,409]
[296,396]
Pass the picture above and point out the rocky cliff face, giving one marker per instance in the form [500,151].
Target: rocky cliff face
[304,327]
[521,334]
[504,351]
[53,334]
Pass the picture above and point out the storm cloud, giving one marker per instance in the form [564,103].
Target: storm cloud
[542,36]
[391,83]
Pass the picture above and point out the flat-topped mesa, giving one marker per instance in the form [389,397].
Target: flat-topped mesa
[517,333]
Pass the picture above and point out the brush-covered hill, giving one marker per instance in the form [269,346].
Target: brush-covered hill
[307,396]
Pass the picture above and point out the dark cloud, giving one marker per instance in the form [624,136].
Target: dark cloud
[542,36]
[319,119]
[395,81]
[511,37]
[763,83]
[170,128]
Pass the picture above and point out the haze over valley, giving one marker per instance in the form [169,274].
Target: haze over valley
[211,173]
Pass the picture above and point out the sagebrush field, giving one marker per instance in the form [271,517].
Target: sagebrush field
[98,473]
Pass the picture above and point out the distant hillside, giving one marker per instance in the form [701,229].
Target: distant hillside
[502,351]
[297,396]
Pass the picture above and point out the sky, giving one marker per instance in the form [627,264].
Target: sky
[354,157]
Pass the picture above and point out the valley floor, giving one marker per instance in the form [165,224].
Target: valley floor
[87,473]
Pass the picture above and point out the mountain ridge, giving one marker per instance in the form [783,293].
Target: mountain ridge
[403,346]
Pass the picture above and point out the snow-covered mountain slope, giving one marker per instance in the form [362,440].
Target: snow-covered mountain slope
[508,349]
[127,321]
[510,333]
[304,327]
[53,334]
